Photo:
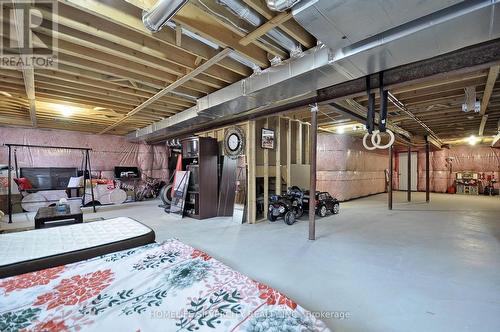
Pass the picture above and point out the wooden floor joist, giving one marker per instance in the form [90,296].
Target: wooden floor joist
[222,54]
[488,90]
[107,59]
[28,71]
[264,28]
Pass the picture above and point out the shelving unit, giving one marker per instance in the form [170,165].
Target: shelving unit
[467,183]
[199,156]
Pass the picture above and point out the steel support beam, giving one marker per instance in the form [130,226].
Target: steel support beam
[312,188]
[408,189]
[466,60]
[359,113]
[488,91]
[389,187]
[9,183]
[427,171]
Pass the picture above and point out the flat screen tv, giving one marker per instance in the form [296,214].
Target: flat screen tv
[126,172]
[48,178]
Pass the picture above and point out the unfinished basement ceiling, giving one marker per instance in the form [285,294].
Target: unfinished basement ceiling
[109,63]
[453,28]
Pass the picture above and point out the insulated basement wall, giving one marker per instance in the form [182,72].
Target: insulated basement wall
[107,152]
[480,159]
[347,170]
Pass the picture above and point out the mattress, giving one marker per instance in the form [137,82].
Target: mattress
[157,287]
[34,250]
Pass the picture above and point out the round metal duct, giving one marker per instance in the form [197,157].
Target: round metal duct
[281,5]
[161,13]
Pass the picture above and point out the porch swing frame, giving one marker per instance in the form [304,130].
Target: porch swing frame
[87,167]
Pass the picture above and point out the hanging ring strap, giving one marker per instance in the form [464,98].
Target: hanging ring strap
[383,103]
[370,116]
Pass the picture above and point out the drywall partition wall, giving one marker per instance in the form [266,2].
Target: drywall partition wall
[108,151]
[445,163]
[347,170]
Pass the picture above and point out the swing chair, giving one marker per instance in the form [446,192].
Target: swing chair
[85,170]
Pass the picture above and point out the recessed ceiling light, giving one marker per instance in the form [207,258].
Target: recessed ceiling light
[67,110]
[472,140]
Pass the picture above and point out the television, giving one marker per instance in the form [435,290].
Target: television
[48,178]
[126,172]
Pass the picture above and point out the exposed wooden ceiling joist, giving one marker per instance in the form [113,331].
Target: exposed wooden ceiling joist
[28,71]
[222,54]
[109,61]
[490,84]
[291,27]
[264,28]
[129,17]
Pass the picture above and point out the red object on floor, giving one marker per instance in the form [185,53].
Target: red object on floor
[178,167]
[451,190]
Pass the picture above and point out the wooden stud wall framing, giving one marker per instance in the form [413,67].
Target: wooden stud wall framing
[307,144]
[251,180]
[268,163]
[266,173]
[288,152]
[298,147]
[278,156]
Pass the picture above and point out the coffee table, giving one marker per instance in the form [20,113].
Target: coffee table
[72,215]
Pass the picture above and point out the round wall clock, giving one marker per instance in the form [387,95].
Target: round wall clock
[234,142]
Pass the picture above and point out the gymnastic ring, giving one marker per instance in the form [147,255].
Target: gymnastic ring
[377,143]
[371,148]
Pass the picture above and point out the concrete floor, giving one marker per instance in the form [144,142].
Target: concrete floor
[420,267]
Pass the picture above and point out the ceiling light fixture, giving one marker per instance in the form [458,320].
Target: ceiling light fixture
[472,140]
[340,130]
[67,110]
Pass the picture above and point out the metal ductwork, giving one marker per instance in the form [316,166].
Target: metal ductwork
[235,56]
[340,23]
[155,19]
[452,28]
[281,5]
[246,13]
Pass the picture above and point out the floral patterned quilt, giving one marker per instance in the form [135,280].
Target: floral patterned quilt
[157,287]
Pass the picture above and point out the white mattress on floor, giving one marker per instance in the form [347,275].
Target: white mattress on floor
[38,243]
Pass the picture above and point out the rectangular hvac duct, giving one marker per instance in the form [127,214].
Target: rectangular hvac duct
[340,23]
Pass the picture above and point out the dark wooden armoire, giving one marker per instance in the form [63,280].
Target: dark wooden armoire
[199,157]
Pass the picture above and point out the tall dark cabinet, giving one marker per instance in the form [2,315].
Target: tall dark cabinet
[199,156]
